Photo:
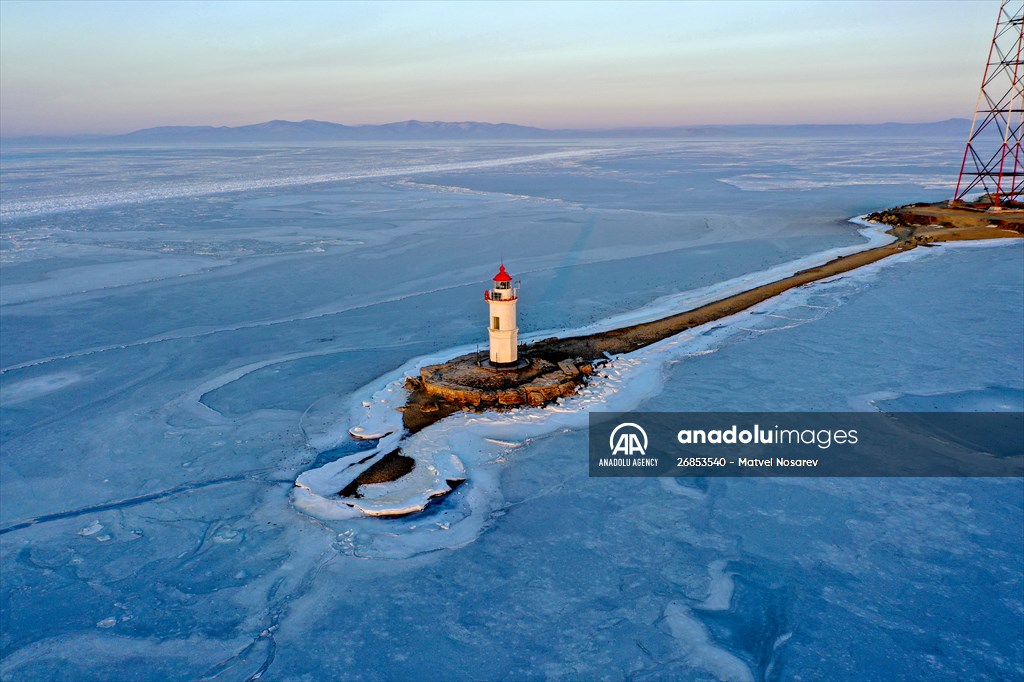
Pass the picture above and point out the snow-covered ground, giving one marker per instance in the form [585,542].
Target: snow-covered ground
[186,333]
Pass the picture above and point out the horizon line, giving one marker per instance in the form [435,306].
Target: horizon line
[500,123]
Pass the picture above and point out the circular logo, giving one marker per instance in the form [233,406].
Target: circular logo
[628,439]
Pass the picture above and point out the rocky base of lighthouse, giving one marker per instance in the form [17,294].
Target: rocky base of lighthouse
[537,382]
[463,384]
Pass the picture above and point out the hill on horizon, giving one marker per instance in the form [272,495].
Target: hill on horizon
[281,131]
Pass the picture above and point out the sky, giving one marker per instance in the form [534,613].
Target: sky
[113,67]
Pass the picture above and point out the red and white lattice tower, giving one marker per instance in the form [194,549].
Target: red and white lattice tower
[993,164]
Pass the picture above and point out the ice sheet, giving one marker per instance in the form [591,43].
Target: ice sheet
[153,432]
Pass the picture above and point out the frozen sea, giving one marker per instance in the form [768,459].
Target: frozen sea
[185,332]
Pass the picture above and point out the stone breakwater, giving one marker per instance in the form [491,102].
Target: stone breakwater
[463,382]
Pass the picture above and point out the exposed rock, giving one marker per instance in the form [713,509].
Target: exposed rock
[464,383]
[568,368]
[390,467]
[509,397]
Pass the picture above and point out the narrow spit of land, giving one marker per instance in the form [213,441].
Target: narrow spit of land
[913,227]
[637,336]
[918,225]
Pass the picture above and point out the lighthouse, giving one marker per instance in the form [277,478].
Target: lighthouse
[502,330]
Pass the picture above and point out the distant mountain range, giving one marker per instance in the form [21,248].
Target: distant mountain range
[295,132]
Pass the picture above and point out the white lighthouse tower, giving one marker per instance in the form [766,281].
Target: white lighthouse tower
[502,330]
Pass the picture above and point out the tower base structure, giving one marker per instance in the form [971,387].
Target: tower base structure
[521,363]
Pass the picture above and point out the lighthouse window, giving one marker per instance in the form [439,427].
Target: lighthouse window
[503,285]
[494,323]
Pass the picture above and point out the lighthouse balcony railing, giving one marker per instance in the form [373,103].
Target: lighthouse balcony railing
[500,296]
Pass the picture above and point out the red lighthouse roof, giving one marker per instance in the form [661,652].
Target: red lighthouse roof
[502,276]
